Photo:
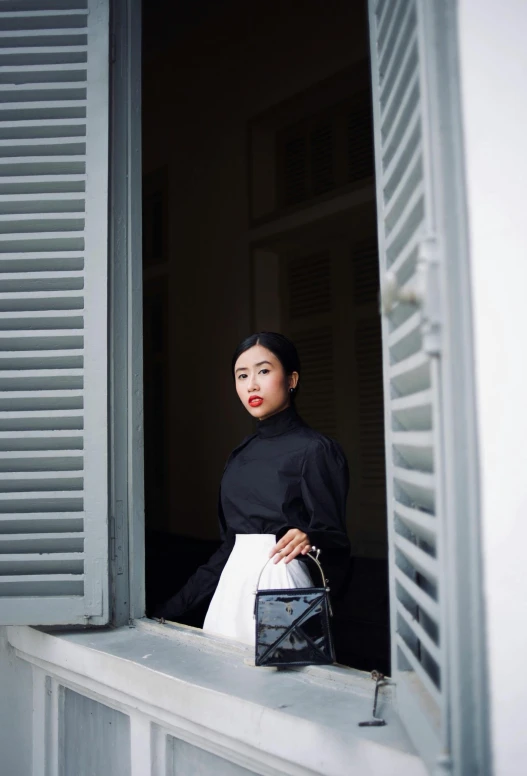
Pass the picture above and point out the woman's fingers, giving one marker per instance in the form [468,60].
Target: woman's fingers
[290,545]
[283,542]
[285,551]
[293,536]
[292,555]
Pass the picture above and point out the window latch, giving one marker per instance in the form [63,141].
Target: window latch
[380,681]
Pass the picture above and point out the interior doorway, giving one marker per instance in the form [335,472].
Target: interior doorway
[259,213]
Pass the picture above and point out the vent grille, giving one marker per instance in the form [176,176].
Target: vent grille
[326,152]
[52,296]
[365,259]
[295,170]
[323,158]
[309,286]
[316,399]
[368,349]
[361,162]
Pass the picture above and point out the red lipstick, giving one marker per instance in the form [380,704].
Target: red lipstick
[255,401]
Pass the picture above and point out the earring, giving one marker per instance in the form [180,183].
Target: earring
[291,390]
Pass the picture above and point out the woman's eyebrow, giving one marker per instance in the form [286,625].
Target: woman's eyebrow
[260,363]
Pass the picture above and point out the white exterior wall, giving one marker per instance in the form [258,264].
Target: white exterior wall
[493,58]
[16,702]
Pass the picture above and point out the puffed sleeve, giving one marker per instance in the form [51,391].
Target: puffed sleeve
[324,486]
[204,581]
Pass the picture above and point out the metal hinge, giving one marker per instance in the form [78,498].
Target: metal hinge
[429,283]
[423,293]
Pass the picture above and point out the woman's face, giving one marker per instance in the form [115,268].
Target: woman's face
[261,383]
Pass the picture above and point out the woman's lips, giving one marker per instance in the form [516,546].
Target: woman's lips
[255,401]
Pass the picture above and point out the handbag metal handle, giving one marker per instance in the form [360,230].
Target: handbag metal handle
[314,558]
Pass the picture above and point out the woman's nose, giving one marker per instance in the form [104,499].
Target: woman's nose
[253,385]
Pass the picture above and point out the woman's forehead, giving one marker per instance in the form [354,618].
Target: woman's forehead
[254,355]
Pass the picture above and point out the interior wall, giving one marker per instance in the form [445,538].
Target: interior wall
[208,68]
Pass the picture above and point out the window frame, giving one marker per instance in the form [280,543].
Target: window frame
[468,713]
[126,481]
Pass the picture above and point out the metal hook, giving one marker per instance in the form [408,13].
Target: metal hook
[375,721]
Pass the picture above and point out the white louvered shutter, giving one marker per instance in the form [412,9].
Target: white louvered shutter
[53,311]
[410,247]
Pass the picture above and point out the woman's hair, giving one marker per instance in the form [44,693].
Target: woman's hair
[279,345]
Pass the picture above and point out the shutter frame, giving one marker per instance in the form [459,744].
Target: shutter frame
[407,213]
[67,251]
[459,743]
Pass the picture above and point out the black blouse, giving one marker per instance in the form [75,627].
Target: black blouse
[284,476]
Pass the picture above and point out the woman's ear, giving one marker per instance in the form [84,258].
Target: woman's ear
[293,380]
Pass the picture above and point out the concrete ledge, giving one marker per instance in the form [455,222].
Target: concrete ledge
[202,691]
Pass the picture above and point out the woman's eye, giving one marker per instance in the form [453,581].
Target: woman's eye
[264,371]
[241,377]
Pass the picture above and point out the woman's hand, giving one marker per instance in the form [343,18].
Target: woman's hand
[294,542]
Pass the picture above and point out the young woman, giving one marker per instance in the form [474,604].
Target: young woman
[283,491]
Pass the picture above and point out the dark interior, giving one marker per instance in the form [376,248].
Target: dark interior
[259,212]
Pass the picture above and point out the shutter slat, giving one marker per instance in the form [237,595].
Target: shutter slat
[420,632]
[420,523]
[53,331]
[55,500]
[412,374]
[25,54]
[39,420]
[423,562]
[56,523]
[392,55]
[50,456]
[40,14]
[31,543]
[46,35]
[410,139]
[420,486]
[416,447]
[43,337]
[398,120]
[51,281]
[49,203]
[404,227]
[400,185]
[419,596]
[416,665]
[403,341]
[40,586]
[393,88]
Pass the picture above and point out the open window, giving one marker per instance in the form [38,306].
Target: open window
[261,209]
[259,213]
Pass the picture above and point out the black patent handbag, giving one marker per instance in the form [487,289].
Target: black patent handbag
[293,625]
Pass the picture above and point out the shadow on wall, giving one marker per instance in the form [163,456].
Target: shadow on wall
[361,613]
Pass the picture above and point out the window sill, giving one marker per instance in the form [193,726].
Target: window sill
[204,690]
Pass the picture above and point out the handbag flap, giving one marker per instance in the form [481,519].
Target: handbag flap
[292,627]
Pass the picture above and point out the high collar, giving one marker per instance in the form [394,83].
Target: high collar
[278,424]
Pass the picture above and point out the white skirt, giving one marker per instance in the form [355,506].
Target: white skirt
[231,611]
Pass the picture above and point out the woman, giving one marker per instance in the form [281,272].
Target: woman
[283,491]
